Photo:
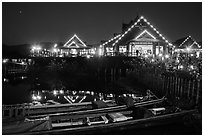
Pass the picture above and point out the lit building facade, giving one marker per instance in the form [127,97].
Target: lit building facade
[72,48]
[138,38]
[187,46]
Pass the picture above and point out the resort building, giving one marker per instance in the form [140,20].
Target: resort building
[187,46]
[138,38]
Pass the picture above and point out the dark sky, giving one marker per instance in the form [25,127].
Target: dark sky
[93,22]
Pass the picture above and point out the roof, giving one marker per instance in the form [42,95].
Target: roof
[75,42]
[110,42]
[141,27]
[186,42]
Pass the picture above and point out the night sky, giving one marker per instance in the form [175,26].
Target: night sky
[92,22]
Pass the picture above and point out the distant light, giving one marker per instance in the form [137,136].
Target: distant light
[188,49]
[6,80]
[34,97]
[166,56]
[23,77]
[54,50]
[55,45]
[5,60]
[61,91]
[191,66]
[192,55]
[181,66]
[38,97]
[88,56]
[55,92]
[160,54]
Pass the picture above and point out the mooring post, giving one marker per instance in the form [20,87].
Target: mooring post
[181,87]
[193,88]
[198,90]
[189,87]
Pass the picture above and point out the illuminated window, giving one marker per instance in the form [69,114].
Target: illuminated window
[122,49]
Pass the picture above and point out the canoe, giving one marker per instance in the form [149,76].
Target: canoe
[58,116]
[129,123]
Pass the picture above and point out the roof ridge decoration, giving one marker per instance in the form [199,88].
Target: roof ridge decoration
[111,40]
[191,44]
[130,28]
[145,31]
[73,42]
[184,41]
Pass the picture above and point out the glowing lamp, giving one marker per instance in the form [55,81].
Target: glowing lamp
[167,56]
[88,56]
[38,97]
[34,97]
[61,91]
[191,66]
[55,92]
[5,60]
[181,66]
[188,49]
[54,50]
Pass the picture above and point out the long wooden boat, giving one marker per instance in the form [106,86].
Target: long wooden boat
[58,116]
[87,107]
[122,124]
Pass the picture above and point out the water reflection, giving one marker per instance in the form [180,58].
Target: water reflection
[73,96]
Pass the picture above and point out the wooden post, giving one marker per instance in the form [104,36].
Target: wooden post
[181,87]
[193,88]
[175,85]
[163,84]
[171,85]
[178,86]
[198,90]
[189,87]
[10,112]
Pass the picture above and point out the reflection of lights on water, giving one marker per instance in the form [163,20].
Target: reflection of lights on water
[6,80]
[23,77]
[5,60]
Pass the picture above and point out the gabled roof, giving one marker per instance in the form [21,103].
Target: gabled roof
[140,27]
[186,42]
[74,42]
[111,41]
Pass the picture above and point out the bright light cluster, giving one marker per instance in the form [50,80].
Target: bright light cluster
[149,25]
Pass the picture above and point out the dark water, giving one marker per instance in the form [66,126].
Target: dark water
[18,91]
